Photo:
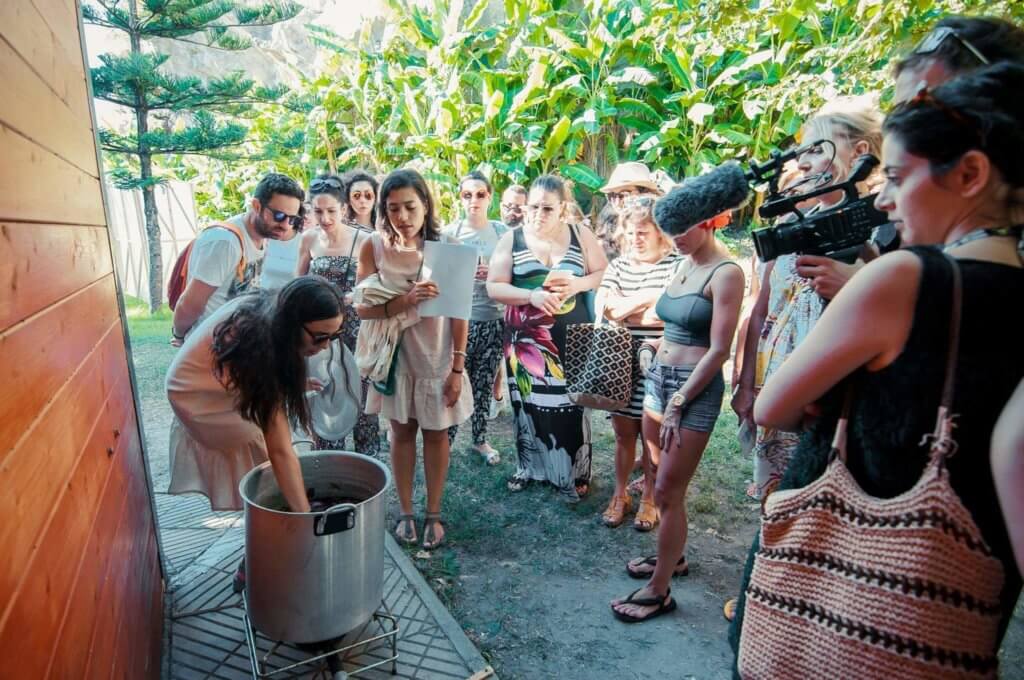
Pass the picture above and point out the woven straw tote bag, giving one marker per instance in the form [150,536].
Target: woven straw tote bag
[846,585]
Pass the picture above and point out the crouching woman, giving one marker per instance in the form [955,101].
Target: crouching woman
[238,383]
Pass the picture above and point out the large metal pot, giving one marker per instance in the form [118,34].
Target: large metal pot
[318,575]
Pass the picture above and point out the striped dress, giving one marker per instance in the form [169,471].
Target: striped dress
[626,277]
[552,433]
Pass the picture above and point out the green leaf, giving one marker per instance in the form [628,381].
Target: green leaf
[475,15]
[643,109]
[556,138]
[699,112]
[581,174]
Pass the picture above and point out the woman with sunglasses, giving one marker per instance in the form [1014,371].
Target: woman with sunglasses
[361,199]
[483,349]
[955,188]
[427,391]
[237,385]
[542,272]
[331,251]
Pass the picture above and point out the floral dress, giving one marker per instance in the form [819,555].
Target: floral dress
[793,309]
[552,433]
[341,271]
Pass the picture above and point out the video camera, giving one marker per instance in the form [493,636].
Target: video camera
[837,232]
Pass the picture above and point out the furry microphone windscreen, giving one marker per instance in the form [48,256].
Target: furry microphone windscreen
[701,198]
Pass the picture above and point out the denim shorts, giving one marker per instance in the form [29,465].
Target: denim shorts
[700,412]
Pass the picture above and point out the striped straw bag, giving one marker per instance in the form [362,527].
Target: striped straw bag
[846,585]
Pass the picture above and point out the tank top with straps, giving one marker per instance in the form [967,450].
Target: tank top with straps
[688,317]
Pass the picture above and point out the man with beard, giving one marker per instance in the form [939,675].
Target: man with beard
[513,201]
[214,272]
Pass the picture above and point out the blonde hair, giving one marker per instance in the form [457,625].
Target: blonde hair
[855,119]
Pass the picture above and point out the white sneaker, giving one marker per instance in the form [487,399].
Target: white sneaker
[497,408]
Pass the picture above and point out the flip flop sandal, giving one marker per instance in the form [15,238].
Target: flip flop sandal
[491,457]
[652,562]
[663,607]
[405,532]
[433,520]
[516,483]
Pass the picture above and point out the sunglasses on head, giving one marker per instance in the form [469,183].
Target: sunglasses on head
[469,195]
[281,216]
[933,41]
[318,338]
[325,184]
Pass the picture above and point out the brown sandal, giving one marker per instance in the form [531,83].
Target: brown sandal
[646,516]
[430,533]
[616,511]
[405,531]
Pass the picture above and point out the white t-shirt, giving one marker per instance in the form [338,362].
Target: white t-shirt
[214,260]
[484,308]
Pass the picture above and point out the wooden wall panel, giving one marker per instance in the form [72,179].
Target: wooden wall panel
[38,356]
[81,589]
[62,70]
[55,128]
[42,264]
[41,187]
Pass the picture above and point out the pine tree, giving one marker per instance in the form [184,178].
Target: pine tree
[138,81]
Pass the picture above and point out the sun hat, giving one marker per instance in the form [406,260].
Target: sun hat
[631,174]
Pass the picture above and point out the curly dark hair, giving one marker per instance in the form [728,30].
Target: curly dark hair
[350,178]
[256,349]
[276,183]
[408,179]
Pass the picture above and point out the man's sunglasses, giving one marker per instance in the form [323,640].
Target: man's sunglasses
[468,195]
[319,186]
[280,216]
[513,207]
[623,195]
[318,338]
[933,41]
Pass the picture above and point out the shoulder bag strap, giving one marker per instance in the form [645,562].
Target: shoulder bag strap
[942,444]
[583,250]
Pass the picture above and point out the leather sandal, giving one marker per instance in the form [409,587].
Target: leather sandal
[682,567]
[647,516]
[664,604]
[430,538]
[405,531]
[616,511]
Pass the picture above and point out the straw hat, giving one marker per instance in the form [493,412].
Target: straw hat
[631,174]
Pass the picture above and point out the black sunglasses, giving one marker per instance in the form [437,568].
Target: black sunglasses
[933,41]
[319,186]
[280,216]
[318,338]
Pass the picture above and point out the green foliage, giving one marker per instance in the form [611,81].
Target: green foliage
[576,87]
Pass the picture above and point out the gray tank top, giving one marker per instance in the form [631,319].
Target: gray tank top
[688,317]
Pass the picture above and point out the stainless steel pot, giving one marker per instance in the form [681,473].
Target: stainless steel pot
[318,575]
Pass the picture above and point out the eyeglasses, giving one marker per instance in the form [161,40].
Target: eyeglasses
[931,43]
[281,216]
[625,193]
[319,186]
[319,338]
[469,195]
[512,207]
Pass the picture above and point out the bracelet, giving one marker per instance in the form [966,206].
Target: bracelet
[175,335]
[454,370]
[459,352]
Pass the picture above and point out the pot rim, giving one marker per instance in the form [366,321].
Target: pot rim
[249,503]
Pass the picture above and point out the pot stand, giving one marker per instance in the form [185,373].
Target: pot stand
[387,634]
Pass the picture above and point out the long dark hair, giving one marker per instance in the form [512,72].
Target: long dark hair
[256,350]
[350,179]
[408,179]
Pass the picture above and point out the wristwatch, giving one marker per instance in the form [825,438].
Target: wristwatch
[677,399]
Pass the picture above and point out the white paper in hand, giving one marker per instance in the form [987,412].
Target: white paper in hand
[452,267]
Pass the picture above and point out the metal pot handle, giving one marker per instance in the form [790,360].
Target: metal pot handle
[335,519]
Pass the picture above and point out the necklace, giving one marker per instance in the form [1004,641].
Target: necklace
[979,234]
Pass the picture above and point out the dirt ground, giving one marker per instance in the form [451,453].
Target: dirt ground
[529,577]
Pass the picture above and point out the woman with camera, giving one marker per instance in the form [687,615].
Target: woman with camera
[878,361]
[788,304]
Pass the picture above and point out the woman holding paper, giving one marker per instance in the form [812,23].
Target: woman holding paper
[427,390]
[541,271]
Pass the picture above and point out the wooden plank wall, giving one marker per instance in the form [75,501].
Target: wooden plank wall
[81,593]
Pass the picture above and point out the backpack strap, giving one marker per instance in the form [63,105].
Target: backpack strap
[233,228]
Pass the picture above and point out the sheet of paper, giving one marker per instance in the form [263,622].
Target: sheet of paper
[452,267]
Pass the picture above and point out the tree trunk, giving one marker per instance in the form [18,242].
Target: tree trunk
[156,268]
